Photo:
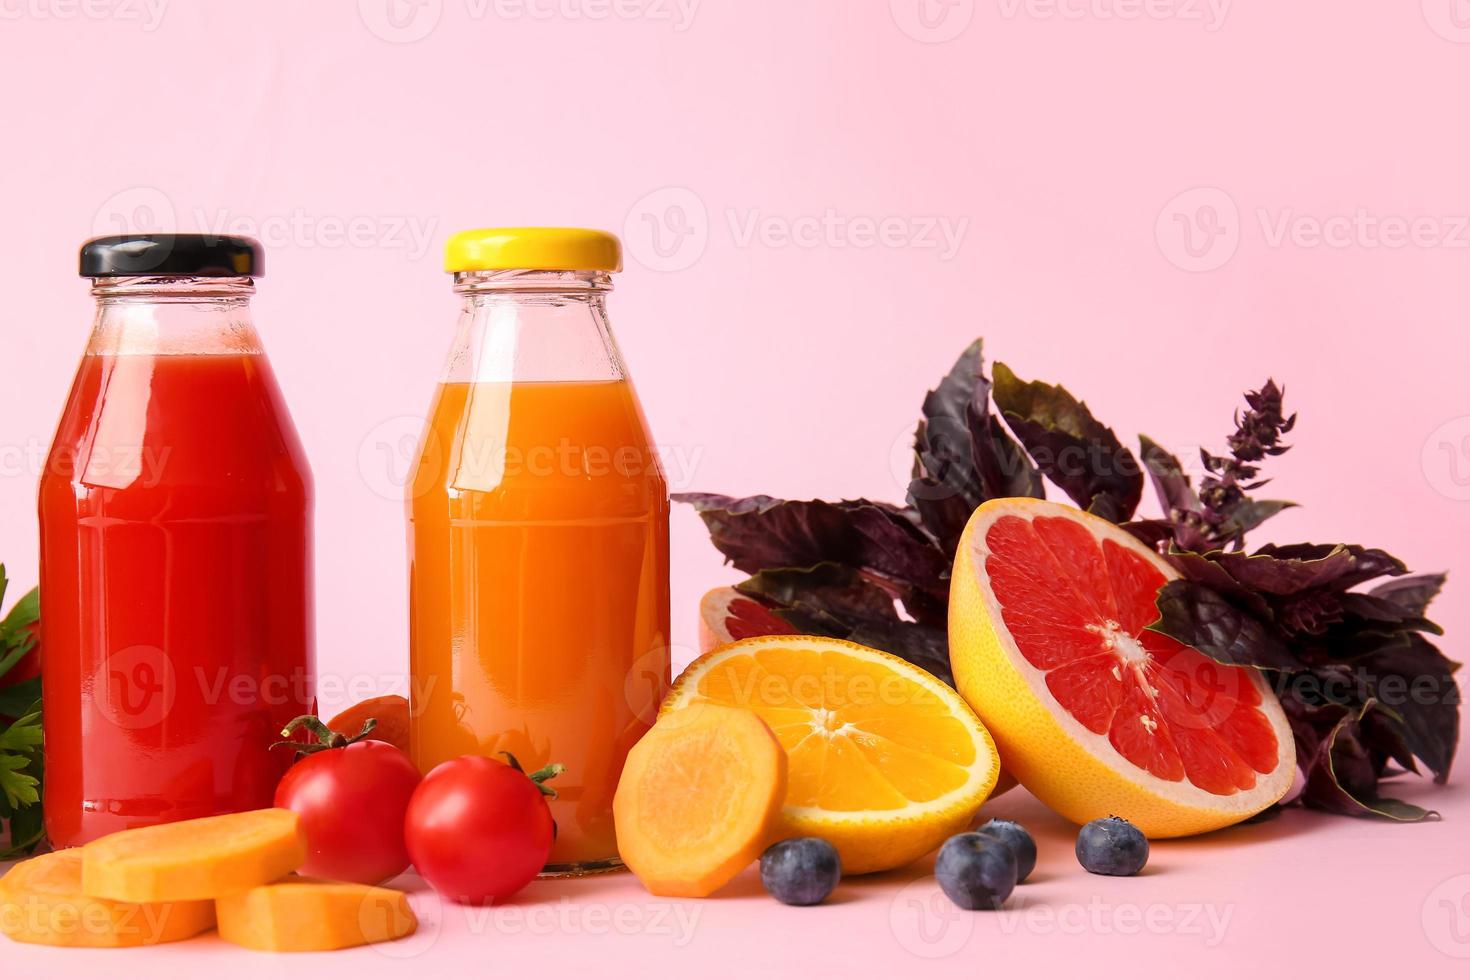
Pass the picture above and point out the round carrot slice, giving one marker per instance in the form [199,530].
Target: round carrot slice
[43,903]
[699,797]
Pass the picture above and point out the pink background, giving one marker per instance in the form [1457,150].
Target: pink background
[1157,204]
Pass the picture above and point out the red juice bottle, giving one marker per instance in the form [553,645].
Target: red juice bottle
[175,506]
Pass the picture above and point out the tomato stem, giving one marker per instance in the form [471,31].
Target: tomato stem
[540,776]
[325,737]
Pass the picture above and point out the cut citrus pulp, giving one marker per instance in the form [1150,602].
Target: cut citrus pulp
[1093,713]
[884,761]
[726,616]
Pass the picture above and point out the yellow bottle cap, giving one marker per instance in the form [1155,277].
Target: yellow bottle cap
[533,248]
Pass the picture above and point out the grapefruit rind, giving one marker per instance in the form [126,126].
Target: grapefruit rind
[1073,770]
[870,840]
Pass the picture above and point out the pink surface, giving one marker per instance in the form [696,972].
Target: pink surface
[1156,203]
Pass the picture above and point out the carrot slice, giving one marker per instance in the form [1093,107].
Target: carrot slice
[194,859]
[698,798]
[41,901]
[302,914]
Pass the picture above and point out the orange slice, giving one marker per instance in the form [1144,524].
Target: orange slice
[883,760]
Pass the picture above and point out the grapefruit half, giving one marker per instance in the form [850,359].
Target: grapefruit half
[726,616]
[1093,713]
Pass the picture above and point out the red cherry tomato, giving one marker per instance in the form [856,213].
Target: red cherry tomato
[352,801]
[479,830]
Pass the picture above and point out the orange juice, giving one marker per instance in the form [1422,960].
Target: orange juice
[538,525]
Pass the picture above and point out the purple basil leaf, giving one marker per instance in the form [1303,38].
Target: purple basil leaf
[961,456]
[1376,610]
[836,601]
[1005,469]
[756,533]
[1413,593]
[1413,682]
[1342,777]
[1206,570]
[943,514]
[1154,532]
[834,590]
[1070,447]
[1199,617]
[1251,514]
[1382,734]
[1171,483]
[1286,570]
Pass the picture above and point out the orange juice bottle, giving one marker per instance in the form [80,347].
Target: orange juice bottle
[538,534]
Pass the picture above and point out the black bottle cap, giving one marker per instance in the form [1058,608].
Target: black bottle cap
[171,255]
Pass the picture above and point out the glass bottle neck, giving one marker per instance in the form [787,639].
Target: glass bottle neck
[173,315]
[533,325]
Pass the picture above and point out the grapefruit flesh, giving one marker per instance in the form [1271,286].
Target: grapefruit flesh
[726,616]
[1096,714]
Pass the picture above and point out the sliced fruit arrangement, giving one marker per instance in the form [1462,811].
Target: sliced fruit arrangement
[884,761]
[172,881]
[1095,714]
[698,798]
[45,904]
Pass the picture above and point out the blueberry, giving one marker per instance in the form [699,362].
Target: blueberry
[1112,846]
[976,871]
[800,871]
[1018,840]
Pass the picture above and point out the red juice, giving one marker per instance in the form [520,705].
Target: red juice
[175,586]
